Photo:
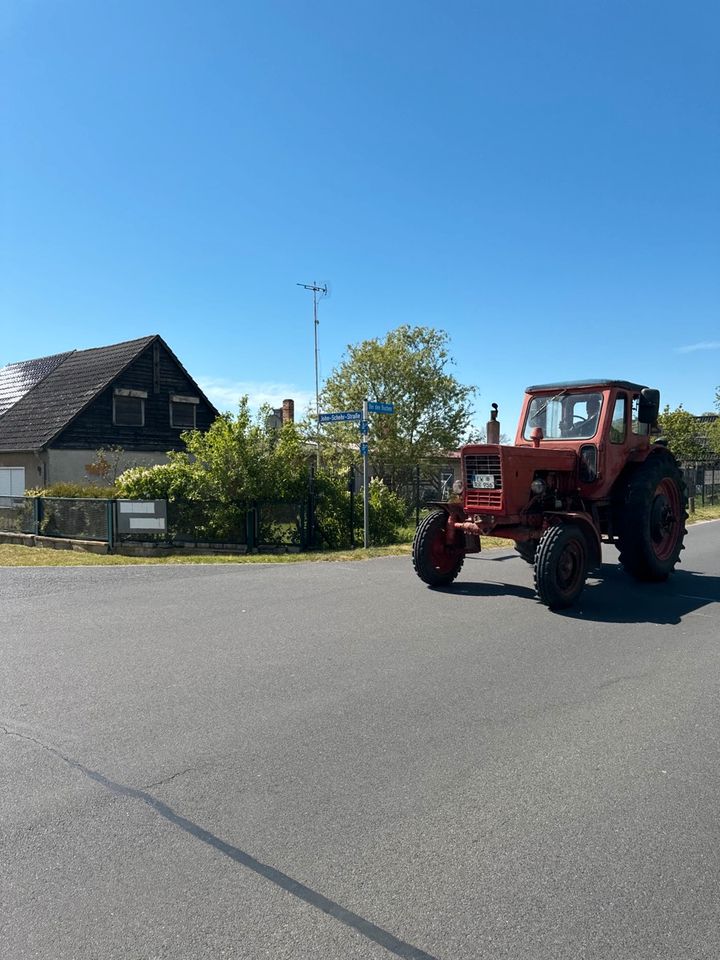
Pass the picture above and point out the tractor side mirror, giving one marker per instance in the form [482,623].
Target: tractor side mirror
[649,405]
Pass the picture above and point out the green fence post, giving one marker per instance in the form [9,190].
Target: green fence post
[110,512]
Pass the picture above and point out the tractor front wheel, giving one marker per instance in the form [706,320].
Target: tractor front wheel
[561,563]
[436,563]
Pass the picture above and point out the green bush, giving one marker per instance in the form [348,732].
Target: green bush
[166,481]
[74,490]
[388,514]
[332,509]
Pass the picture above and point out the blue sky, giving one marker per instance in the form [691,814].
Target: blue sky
[539,179]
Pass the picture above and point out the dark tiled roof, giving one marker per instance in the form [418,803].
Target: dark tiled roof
[43,410]
[17,378]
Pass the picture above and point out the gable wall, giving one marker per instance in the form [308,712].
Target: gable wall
[94,427]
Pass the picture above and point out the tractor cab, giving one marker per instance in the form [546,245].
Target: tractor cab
[608,423]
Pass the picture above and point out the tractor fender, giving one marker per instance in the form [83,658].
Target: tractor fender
[456,517]
[621,485]
[585,522]
[449,506]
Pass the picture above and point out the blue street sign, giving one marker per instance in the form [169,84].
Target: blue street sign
[381,407]
[364,426]
[363,448]
[339,417]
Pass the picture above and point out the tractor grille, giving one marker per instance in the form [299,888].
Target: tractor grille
[478,468]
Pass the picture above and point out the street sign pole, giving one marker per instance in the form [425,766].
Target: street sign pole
[361,417]
[366,492]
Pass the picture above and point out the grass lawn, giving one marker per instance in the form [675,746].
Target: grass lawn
[704,513]
[13,555]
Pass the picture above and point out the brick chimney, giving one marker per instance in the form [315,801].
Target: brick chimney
[288,411]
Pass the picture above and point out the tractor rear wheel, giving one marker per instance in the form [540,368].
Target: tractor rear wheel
[527,549]
[652,526]
[561,564]
[436,563]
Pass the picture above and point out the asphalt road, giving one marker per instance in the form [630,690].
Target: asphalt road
[331,761]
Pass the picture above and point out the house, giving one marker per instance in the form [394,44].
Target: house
[56,412]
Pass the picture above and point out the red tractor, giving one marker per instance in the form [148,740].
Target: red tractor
[583,471]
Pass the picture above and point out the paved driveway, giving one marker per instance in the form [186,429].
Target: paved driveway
[332,761]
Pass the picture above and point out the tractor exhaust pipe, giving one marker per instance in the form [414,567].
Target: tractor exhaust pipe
[493,425]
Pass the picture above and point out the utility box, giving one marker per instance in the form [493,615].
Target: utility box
[141,516]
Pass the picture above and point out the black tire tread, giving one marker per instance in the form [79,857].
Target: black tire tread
[426,532]
[636,554]
[546,559]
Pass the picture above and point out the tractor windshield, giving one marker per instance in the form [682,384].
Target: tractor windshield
[566,416]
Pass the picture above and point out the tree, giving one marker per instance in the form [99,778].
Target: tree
[688,439]
[237,459]
[407,368]
[713,436]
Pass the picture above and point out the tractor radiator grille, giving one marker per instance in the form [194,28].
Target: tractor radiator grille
[479,468]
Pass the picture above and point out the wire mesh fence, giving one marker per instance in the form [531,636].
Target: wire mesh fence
[242,524]
[702,478]
[77,519]
[206,521]
[16,515]
[234,523]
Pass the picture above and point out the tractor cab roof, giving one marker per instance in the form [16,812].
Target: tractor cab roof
[580,384]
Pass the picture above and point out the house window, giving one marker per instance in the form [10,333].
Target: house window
[182,412]
[129,408]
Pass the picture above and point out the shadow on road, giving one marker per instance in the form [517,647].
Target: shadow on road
[611,596]
[614,597]
[490,589]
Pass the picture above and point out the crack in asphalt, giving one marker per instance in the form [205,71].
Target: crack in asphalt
[161,783]
[369,930]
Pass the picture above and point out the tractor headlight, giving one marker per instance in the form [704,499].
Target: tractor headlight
[458,487]
[538,487]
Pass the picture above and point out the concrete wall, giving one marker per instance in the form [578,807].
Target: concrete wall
[70,466]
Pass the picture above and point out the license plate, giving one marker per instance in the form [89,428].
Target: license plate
[483,481]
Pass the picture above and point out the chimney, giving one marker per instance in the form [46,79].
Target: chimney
[288,411]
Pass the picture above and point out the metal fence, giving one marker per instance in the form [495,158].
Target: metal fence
[702,478]
[77,519]
[241,524]
[238,523]
[17,515]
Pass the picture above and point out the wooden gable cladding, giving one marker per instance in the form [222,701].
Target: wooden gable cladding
[156,374]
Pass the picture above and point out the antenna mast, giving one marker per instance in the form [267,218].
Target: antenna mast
[322,290]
